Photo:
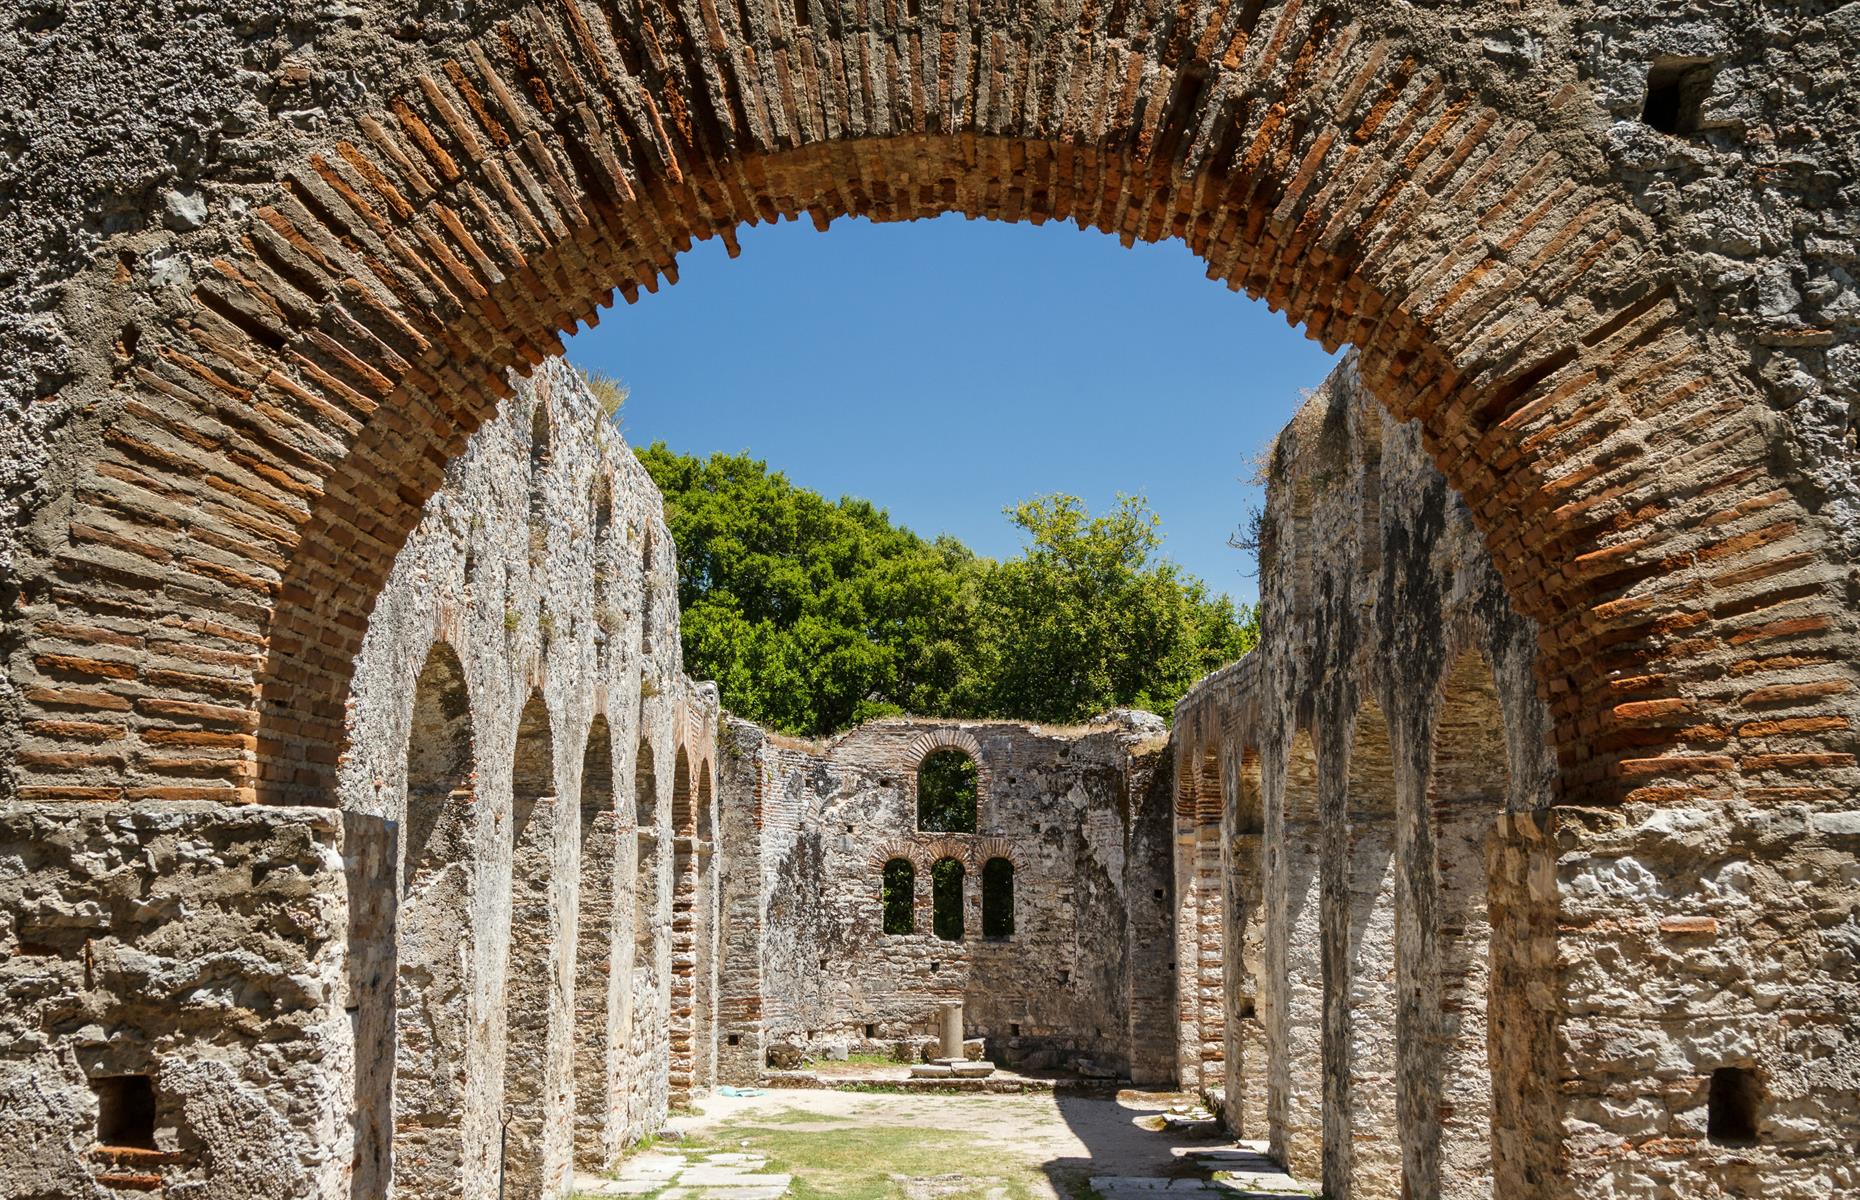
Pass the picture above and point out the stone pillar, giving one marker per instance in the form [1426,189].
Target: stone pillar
[949,1028]
[1368,1124]
[1294,961]
[436,1038]
[741,1018]
[536,1144]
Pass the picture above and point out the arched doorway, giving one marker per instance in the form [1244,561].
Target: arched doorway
[1503,286]
[461,226]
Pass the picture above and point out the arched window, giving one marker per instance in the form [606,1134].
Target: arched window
[998,898]
[539,439]
[946,892]
[603,507]
[539,469]
[946,793]
[602,516]
[899,895]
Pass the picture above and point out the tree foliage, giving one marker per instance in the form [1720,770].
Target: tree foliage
[899,896]
[946,793]
[813,615]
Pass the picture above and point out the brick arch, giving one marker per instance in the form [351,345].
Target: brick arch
[684,788]
[945,737]
[982,849]
[917,855]
[359,325]
[960,847]
[1186,771]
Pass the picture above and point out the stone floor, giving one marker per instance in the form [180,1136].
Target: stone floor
[672,1175]
[839,1145]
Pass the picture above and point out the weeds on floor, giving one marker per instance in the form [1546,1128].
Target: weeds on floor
[833,1160]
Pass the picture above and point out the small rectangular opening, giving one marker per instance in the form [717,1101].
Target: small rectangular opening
[871,1031]
[125,1111]
[1731,1112]
[735,1039]
[1065,977]
[1676,92]
[1014,1029]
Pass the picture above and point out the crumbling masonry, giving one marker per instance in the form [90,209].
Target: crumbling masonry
[268,268]
[1074,821]
[494,959]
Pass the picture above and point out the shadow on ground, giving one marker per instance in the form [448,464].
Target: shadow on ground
[817,1144]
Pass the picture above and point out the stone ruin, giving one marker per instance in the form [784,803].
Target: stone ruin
[1044,915]
[314,742]
[495,959]
[564,893]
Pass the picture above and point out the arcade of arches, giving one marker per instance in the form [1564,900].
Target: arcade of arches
[362,830]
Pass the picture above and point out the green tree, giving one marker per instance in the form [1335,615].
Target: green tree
[946,792]
[1091,618]
[814,615]
[810,615]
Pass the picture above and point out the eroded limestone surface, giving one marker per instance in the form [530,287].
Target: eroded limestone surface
[174,983]
[1437,977]
[495,959]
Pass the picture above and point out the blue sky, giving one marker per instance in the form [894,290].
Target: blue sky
[947,369]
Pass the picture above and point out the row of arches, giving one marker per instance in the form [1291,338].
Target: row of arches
[586,947]
[1353,938]
[898,898]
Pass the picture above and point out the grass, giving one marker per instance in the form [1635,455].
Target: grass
[834,1159]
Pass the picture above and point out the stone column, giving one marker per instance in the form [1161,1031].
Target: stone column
[949,1027]
[1294,961]
[437,1042]
[536,1143]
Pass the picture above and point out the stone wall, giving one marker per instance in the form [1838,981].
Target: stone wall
[519,711]
[175,993]
[494,959]
[1439,981]
[1075,810]
[267,266]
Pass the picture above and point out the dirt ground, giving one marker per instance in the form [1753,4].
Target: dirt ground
[1096,1134]
[815,1144]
